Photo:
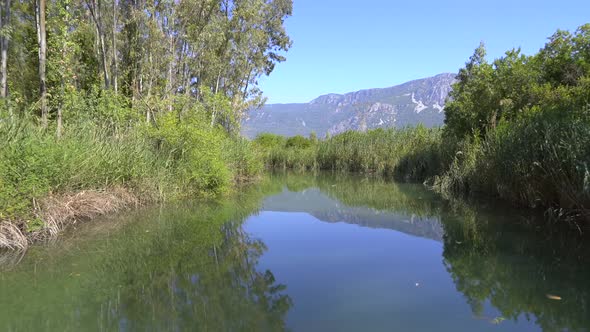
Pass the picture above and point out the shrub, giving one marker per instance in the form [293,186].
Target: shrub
[298,142]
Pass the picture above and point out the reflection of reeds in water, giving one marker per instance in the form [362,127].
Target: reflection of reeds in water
[10,258]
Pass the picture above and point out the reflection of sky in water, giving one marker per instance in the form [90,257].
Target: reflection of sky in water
[351,253]
[343,277]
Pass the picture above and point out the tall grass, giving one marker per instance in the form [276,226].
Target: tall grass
[410,154]
[541,160]
[170,160]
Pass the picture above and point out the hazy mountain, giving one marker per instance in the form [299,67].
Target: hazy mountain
[419,101]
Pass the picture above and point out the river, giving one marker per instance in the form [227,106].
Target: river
[294,252]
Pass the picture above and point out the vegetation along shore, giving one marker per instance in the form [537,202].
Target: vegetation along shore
[517,128]
[107,107]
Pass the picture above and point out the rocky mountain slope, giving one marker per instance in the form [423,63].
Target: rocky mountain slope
[411,103]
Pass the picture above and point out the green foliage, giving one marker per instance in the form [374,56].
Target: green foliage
[544,157]
[513,85]
[176,157]
[471,97]
[269,141]
[522,125]
[242,158]
[410,154]
[313,137]
[141,95]
[193,149]
[298,142]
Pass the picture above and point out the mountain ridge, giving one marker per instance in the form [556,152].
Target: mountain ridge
[410,103]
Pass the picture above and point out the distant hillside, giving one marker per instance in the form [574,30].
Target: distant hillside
[411,103]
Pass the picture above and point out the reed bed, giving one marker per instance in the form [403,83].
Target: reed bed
[48,183]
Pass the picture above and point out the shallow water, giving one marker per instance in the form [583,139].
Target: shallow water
[304,253]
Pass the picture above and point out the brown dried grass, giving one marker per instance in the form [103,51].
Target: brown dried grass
[11,237]
[61,211]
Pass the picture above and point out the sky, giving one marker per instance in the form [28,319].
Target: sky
[341,46]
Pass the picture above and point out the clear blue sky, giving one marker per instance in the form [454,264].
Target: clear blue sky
[341,46]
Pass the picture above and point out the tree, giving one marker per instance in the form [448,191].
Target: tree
[42,39]
[96,12]
[4,39]
[470,109]
[158,56]
[115,71]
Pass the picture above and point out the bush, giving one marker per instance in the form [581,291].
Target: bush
[298,142]
[269,141]
[541,159]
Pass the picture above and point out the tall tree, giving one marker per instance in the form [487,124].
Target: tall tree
[4,38]
[157,56]
[471,108]
[115,71]
[40,10]
[95,7]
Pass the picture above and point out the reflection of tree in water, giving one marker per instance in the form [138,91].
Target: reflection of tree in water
[184,267]
[189,269]
[207,285]
[515,269]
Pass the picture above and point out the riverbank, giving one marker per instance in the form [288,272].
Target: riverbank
[57,212]
[518,163]
[516,128]
[217,253]
[49,183]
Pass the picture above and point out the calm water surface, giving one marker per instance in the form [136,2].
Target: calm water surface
[304,253]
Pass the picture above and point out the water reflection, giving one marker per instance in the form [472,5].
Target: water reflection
[187,269]
[197,267]
[496,255]
[526,273]
[367,202]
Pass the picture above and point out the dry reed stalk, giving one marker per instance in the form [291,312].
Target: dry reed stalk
[11,237]
[60,211]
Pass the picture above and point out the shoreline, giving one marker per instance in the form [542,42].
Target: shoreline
[55,213]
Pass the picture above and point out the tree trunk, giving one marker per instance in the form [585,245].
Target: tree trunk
[59,118]
[245,93]
[96,17]
[104,60]
[42,39]
[214,111]
[115,72]
[4,21]
[169,82]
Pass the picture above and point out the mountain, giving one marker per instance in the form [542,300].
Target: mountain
[411,103]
